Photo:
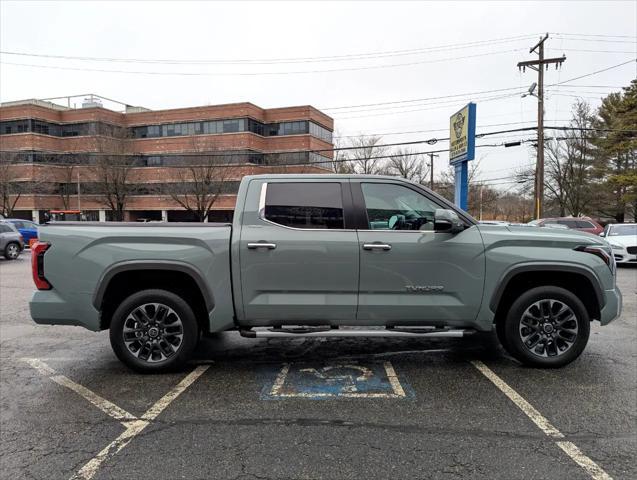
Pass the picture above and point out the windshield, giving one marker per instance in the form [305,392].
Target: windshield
[617,230]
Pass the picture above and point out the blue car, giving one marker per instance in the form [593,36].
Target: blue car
[27,228]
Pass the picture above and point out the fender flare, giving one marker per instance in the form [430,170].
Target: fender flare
[131,265]
[535,267]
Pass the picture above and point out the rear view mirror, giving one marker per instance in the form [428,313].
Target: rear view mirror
[447,221]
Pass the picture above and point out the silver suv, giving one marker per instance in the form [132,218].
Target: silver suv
[11,242]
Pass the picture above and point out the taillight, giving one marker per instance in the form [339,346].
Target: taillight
[37,265]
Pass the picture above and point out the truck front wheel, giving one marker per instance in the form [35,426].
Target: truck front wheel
[546,327]
[154,331]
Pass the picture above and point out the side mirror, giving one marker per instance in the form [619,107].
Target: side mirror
[447,221]
[602,234]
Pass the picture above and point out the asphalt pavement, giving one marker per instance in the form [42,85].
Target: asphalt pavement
[312,408]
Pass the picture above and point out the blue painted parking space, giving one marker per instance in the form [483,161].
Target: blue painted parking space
[335,380]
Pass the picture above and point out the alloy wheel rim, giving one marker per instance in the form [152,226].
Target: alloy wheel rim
[12,250]
[153,332]
[548,328]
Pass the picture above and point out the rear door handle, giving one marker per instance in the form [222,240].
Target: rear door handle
[269,246]
[376,246]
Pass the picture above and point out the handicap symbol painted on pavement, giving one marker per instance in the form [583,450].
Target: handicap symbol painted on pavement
[336,380]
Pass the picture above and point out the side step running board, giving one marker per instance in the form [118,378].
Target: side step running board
[282,333]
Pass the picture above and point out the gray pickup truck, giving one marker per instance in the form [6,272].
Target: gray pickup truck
[327,256]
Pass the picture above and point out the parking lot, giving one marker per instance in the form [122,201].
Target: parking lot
[312,408]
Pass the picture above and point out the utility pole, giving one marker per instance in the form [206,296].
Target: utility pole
[539,66]
[431,169]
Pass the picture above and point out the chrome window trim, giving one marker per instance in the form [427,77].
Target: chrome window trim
[264,189]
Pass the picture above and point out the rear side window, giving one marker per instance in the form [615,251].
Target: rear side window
[5,229]
[568,223]
[305,205]
[584,224]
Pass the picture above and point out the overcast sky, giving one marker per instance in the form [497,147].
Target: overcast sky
[377,52]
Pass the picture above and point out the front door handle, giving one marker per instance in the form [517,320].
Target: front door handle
[269,246]
[376,246]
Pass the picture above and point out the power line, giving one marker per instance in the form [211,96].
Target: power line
[483,100]
[440,102]
[594,40]
[593,73]
[298,72]
[422,99]
[291,60]
[594,35]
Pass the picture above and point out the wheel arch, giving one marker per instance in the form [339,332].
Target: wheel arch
[581,281]
[177,277]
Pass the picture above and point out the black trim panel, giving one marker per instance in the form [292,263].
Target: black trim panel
[136,224]
[141,265]
[506,278]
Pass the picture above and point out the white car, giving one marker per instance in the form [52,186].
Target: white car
[623,240]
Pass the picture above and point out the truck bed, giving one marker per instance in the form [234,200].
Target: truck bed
[83,257]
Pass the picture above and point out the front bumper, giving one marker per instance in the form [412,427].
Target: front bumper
[613,307]
[622,256]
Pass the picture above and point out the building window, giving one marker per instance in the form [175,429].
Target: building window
[305,205]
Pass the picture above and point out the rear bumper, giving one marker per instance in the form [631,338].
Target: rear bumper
[48,308]
[613,307]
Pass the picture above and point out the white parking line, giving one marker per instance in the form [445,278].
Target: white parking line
[104,405]
[135,428]
[134,425]
[594,470]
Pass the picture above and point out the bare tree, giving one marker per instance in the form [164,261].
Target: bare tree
[405,164]
[567,165]
[10,189]
[68,175]
[364,155]
[111,171]
[340,160]
[202,179]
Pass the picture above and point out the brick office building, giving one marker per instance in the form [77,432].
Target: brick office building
[49,152]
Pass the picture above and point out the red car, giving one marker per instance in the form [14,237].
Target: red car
[583,224]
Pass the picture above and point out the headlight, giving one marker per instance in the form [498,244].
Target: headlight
[616,246]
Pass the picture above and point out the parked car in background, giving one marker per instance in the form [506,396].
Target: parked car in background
[623,240]
[27,228]
[11,242]
[583,224]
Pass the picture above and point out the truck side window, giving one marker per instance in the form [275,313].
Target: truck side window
[394,207]
[305,205]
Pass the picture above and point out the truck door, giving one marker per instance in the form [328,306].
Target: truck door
[298,261]
[410,274]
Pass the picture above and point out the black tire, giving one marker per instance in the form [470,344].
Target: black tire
[501,333]
[546,327]
[12,251]
[159,335]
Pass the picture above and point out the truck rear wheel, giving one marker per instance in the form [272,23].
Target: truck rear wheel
[547,327]
[154,331]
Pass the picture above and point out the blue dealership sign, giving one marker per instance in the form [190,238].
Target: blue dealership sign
[462,148]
